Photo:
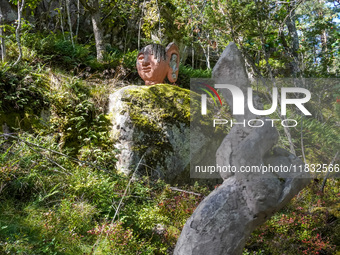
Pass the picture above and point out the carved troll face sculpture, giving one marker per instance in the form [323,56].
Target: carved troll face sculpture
[154,63]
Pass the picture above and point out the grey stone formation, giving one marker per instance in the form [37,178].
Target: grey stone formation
[230,69]
[225,219]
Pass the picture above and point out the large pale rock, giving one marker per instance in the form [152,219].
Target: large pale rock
[153,122]
[224,220]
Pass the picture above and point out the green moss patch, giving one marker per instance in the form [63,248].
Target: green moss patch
[152,105]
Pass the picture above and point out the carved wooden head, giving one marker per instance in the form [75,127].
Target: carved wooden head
[154,63]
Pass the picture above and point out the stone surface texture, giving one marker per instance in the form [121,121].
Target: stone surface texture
[225,219]
[153,122]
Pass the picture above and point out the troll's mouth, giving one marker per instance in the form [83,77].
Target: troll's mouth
[146,69]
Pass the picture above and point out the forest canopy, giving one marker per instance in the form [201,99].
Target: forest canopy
[277,38]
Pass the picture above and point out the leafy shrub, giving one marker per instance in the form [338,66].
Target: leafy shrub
[186,73]
[320,140]
[53,49]
[81,123]
[23,95]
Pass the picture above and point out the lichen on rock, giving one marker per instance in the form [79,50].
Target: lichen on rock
[152,121]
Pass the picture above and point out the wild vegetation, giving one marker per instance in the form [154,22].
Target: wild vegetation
[60,192]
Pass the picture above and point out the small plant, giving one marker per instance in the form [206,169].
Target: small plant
[186,73]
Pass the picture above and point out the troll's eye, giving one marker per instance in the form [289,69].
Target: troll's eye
[141,57]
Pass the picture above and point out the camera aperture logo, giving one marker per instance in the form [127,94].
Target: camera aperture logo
[204,97]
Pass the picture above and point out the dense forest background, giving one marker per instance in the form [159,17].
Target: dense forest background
[277,38]
[60,192]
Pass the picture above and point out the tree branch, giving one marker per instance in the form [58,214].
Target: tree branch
[185,191]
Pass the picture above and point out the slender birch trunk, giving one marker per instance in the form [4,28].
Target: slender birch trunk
[61,19]
[78,17]
[18,30]
[98,35]
[69,20]
[3,49]
[93,7]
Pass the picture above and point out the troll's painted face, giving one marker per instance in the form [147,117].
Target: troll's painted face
[153,64]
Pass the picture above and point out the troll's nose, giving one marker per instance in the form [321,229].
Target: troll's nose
[146,60]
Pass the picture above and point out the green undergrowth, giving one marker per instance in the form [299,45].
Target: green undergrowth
[308,225]
[60,192]
[56,50]
[23,95]
[56,204]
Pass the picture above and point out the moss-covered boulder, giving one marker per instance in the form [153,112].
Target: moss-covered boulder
[152,122]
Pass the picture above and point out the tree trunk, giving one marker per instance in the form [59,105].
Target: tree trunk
[69,20]
[78,17]
[61,18]
[3,49]
[207,54]
[94,8]
[98,35]
[192,56]
[18,30]
[140,25]
[295,43]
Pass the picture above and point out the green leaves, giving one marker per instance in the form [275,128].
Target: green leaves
[32,4]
